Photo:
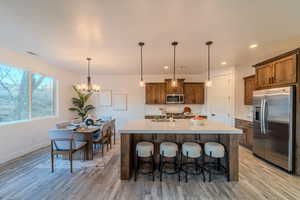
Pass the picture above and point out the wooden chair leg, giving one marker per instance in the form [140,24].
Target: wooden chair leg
[52,162]
[102,145]
[71,162]
[114,136]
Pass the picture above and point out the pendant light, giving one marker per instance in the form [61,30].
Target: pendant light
[174,81]
[208,82]
[142,83]
[88,87]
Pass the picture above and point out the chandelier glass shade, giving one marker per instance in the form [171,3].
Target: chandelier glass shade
[88,87]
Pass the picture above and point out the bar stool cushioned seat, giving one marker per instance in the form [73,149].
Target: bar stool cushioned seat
[191,149]
[145,149]
[214,149]
[168,149]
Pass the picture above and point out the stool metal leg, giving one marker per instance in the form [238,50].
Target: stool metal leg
[209,170]
[136,165]
[161,166]
[186,174]
[152,158]
[180,166]
[177,167]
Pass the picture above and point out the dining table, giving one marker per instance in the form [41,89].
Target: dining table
[86,134]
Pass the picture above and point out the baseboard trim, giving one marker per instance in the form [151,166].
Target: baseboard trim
[23,152]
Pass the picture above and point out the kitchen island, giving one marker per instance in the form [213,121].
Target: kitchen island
[177,131]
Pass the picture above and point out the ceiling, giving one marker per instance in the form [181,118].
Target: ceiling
[65,32]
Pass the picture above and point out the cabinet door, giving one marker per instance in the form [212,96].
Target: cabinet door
[249,83]
[161,93]
[285,70]
[150,93]
[189,97]
[264,75]
[155,93]
[250,137]
[194,93]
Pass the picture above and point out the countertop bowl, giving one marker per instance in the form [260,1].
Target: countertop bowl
[197,122]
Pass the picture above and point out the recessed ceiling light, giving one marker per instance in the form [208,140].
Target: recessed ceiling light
[166,67]
[252,46]
[223,63]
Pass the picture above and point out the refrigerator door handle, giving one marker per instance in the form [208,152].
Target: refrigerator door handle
[262,116]
[265,116]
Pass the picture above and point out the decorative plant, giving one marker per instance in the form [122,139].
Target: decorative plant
[80,104]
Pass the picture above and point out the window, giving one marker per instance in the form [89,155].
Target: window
[14,98]
[42,96]
[18,88]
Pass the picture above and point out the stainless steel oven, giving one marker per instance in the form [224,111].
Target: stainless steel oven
[175,99]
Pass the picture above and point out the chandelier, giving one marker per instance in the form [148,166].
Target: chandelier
[88,87]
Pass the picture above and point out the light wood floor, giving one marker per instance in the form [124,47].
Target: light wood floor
[258,180]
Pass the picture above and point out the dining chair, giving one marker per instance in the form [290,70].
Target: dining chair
[104,137]
[62,125]
[63,142]
[113,129]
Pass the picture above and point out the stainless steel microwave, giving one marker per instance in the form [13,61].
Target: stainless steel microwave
[175,98]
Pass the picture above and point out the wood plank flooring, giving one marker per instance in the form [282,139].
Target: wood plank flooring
[20,179]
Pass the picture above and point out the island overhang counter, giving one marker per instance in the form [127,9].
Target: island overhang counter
[177,131]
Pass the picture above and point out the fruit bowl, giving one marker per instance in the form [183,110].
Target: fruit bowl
[198,121]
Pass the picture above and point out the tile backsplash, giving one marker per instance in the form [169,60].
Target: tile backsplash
[154,109]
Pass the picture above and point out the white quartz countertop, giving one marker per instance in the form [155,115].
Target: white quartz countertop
[180,126]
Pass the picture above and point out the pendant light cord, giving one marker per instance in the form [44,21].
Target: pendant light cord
[174,64]
[141,44]
[141,63]
[89,75]
[208,59]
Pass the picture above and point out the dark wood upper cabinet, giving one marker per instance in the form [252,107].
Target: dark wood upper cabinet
[264,75]
[249,83]
[281,70]
[194,93]
[174,90]
[285,70]
[155,93]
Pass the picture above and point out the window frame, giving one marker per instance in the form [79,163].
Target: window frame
[55,98]
[55,93]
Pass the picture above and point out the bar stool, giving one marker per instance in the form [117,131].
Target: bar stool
[192,151]
[168,156]
[144,155]
[216,151]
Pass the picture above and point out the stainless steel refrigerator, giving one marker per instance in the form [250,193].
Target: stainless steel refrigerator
[273,119]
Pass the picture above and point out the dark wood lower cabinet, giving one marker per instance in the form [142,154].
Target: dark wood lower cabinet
[246,139]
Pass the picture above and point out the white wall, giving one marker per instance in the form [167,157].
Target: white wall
[242,111]
[129,84]
[19,138]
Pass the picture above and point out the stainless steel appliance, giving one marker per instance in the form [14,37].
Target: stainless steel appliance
[273,119]
[175,98]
